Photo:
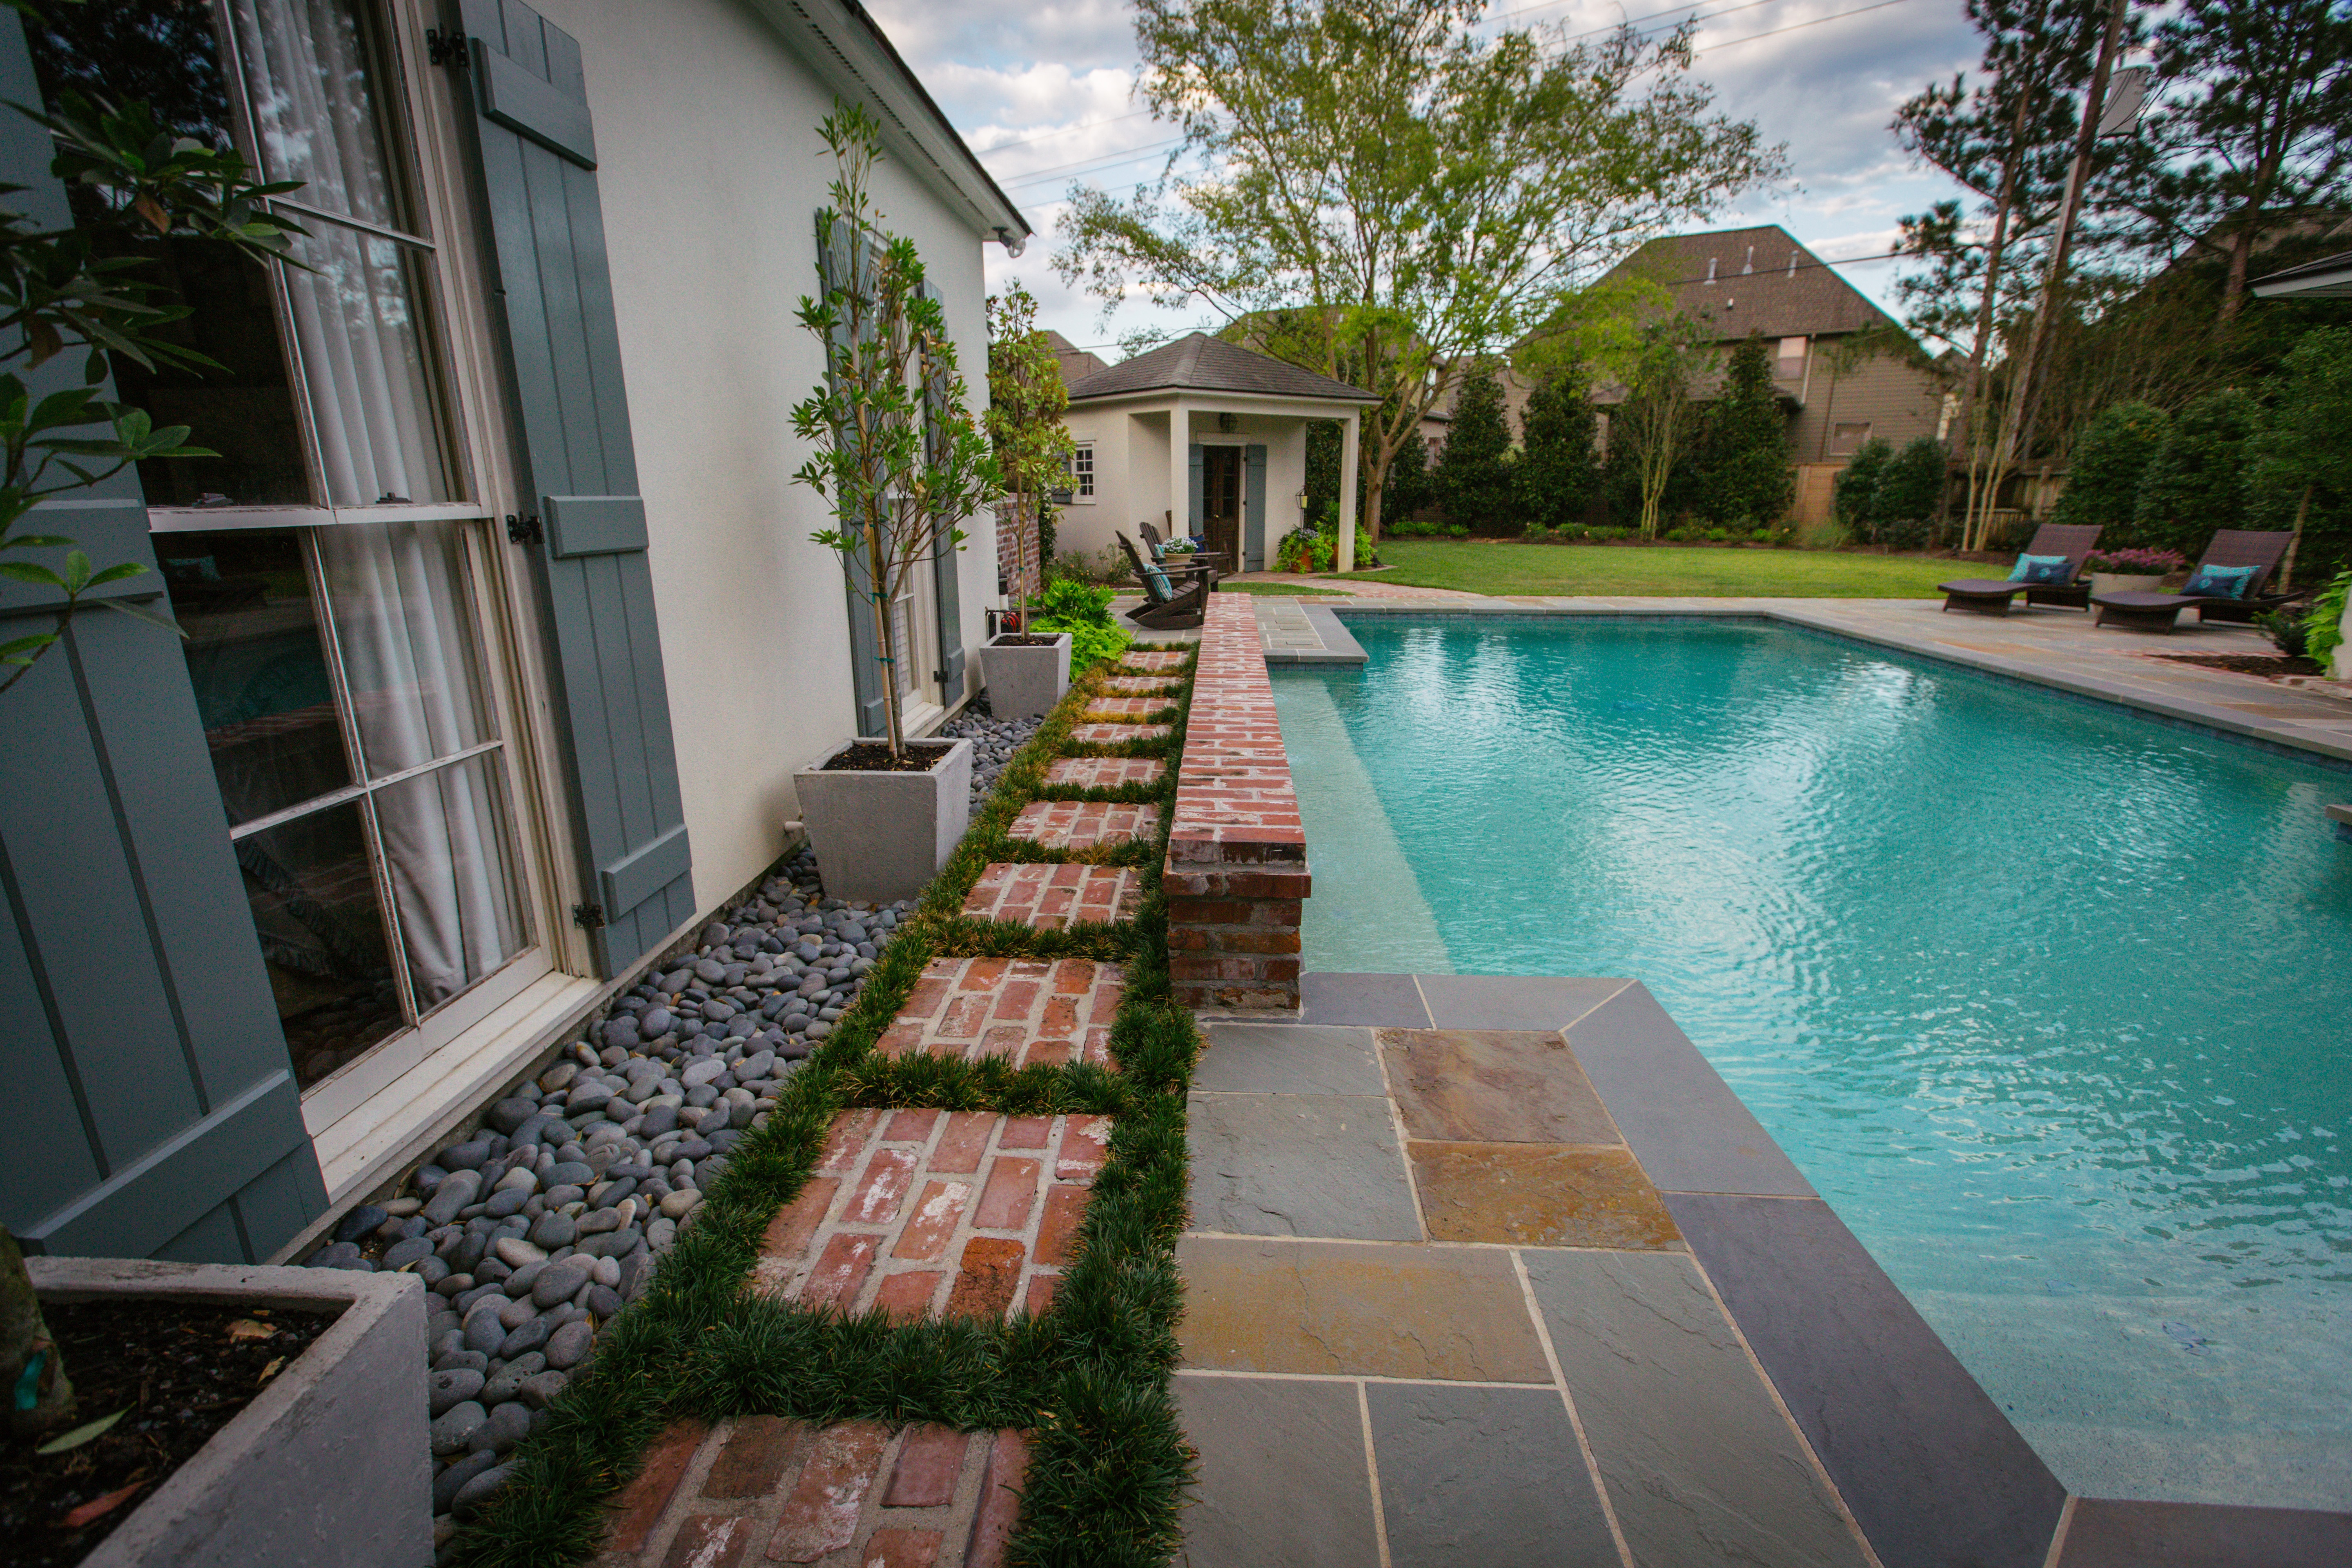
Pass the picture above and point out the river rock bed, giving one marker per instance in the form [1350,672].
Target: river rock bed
[994,743]
[538,1224]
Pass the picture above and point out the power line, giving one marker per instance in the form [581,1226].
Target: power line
[1795,27]
[1098,160]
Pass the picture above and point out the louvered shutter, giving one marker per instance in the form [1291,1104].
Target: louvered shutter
[1253,485]
[553,298]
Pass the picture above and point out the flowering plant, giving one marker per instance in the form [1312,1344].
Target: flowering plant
[2138,562]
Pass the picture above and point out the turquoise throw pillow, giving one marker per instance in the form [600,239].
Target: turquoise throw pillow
[2042,569]
[1161,589]
[2219,581]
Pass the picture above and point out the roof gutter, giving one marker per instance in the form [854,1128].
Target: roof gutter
[840,38]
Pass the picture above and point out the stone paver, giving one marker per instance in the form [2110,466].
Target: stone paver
[1118,734]
[1104,773]
[1538,1194]
[1283,1473]
[1492,1087]
[1031,1011]
[1046,896]
[1127,709]
[935,1214]
[1299,1165]
[1142,685]
[762,1489]
[1472,1476]
[1083,824]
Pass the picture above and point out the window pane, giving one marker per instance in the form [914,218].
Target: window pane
[357,327]
[322,939]
[444,843]
[259,665]
[405,625]
[312,71]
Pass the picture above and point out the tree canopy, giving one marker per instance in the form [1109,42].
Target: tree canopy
[1474,471]
[1392,194]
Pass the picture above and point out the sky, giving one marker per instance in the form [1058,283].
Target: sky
[1045,95]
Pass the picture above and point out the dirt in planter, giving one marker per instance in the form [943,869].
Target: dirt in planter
[180,1373]
[874,757]
[1017,640]
[2271,665]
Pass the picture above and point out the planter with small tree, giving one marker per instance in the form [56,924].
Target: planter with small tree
[1026,671]
[902,463]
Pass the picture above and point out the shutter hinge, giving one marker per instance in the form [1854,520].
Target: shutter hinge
[524,530]
[588,917]
[446,48]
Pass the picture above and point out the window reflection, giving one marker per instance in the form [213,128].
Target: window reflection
[313,896]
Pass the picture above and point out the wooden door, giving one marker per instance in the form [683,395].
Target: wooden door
[1221,500]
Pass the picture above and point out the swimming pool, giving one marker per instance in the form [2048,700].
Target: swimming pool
[2051,1002]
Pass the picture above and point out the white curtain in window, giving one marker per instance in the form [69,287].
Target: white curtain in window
[405,633]
[355,311]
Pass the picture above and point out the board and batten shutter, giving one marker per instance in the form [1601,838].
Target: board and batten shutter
[552,299]
[153,1108]
[1254,498]
[945,558]
[834,261]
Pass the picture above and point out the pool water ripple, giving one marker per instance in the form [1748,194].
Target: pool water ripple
[2052,1003]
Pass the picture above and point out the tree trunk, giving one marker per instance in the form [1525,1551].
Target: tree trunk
[2295,544]
[44,1400]
[885,637]
[2234,289]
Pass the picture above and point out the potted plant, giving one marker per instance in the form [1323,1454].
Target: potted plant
[898,458]
[1025,670]
[2133,571]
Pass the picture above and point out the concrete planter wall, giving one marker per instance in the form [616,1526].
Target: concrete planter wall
[328,1467]
[1025,682]
[881,835]
[2124,582]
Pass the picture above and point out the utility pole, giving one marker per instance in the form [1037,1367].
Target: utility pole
[2024,403]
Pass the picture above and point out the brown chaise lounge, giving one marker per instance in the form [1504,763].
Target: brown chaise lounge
[2231,547]
[1165,606]
[1991,595]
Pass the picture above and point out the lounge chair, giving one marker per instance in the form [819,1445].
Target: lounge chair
[1991,596]
[2231,548]
[1165,605]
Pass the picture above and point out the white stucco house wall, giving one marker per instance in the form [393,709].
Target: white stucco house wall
[1209,436]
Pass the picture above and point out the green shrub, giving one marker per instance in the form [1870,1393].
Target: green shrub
[1415,528]
[1083,611]
[1856,485]
[2103,480]
[1474,476]
[1457,530]
[1743,457]
[1902,502]
[2287,632]
[1558,472]
[2323,627]
[2196,482]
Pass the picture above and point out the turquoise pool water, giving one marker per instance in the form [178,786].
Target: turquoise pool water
[2051,1002]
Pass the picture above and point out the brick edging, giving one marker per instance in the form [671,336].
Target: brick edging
[1236,875]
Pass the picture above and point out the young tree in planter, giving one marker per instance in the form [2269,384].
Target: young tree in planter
[1747,482]
[897,454]
[1474,471]
[1033,448]
[1557,473]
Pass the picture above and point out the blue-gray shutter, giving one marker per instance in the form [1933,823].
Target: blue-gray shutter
[1253,523]
[1199,485]
[552,298]
[937,438]
[153,1108]
[834,261]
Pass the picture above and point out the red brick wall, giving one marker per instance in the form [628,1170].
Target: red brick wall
[1237,873]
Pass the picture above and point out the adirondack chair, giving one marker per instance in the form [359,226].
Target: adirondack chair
[1165,605]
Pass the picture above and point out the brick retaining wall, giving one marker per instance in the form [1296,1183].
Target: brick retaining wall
[1236,874]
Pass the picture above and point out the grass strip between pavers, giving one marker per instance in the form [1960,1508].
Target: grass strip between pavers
[1090,1380]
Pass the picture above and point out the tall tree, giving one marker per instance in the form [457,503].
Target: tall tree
[2300,451]
[1473,472]
[2255,126]
[1414,193]
[1033,448]
[2196,481]
[1745,479]
[1650,432]
[1558,469]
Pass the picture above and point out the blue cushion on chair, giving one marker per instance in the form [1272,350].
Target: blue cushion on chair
[1160,587]
[2219,581]
[2042,569]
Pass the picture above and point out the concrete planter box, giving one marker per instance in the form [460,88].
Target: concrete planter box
[879,837]
[328,1467]
[2124,582]
[1025,682]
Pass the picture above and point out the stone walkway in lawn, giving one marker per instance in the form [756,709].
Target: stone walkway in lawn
[921,1213]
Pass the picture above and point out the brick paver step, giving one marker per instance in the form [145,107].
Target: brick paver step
[1133,710]
[1105,772]
[1118,734]
[1025,1009]
[1047,897]
[1083,823]
[1141,685]
[1151,661]
[764,1488]
[930,1214]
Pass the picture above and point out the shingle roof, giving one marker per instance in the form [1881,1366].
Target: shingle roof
[1764,282]
[1202,363]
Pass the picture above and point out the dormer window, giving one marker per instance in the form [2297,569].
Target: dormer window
[1750,266]
[1710,270]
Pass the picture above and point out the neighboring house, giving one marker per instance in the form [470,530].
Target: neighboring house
[1076,363]
[1207,434]
[2329,278]
[505,634]
[1760,280]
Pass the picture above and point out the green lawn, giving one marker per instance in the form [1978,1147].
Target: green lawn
[1299,590]
[1508,567]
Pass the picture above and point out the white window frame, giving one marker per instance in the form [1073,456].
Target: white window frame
[1082,473]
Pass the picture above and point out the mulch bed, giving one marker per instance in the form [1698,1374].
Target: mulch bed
[2270,666]
[181,1372]
[874,757]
